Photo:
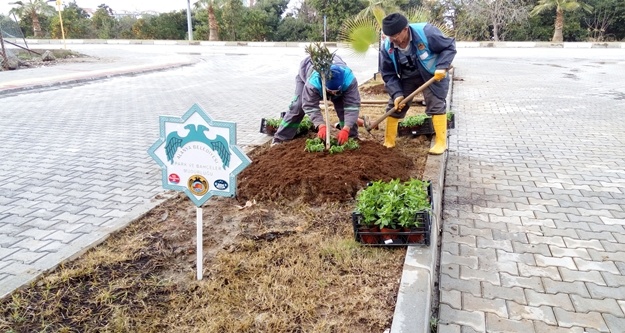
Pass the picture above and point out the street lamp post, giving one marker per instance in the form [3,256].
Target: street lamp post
[189,25]
[58,9]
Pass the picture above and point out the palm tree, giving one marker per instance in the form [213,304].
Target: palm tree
[213,33]
[561,6]
[33,8]
[365,29]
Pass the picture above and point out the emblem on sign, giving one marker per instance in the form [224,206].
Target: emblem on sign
[196,134]
[174,178]
[198,185]
[221,184]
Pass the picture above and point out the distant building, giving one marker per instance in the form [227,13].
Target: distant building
[89,11]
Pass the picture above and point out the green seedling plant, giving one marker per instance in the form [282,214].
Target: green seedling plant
[305,125]
[415,199]
[450,115]
[368,202]
[314,145]
[393,204]
[273,122]
[412,121]
[317,145]
[351,144]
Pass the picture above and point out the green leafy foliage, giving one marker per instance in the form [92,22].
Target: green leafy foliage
[321,59]
[336,149]
[393,204]
[355,22]
[336,12]
[317,145]
[314,145]
[305,125]
[360,33]
[273,122]
[351,144]
[416,120]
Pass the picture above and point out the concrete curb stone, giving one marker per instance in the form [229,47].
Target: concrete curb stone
[416,295]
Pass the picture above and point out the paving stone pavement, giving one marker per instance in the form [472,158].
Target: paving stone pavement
[534,204]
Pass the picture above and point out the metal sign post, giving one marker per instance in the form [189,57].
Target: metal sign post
[199,157]
[199,242]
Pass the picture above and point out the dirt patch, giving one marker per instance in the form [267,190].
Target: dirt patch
[280,257]
[22,59]
[374,89]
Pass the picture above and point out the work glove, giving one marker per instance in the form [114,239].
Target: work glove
[440,74]
[343,136]
[321,132]
[398,103]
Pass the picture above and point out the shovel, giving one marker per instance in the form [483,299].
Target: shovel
[369,126]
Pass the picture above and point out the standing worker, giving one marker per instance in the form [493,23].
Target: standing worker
[413,54]
[341,89]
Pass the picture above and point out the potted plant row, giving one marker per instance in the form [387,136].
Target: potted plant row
[393,213]
[269,126]
[421,124]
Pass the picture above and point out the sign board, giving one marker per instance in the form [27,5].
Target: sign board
[198,155]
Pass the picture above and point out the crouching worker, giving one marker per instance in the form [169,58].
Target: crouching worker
[341,89]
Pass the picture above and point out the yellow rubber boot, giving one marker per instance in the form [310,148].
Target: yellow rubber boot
[390,133]
[440,129]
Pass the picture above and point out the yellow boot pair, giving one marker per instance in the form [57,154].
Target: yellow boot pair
[440,129]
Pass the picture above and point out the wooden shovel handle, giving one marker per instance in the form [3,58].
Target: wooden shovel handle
[407,99]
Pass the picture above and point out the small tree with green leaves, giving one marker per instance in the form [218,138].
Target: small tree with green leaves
[321,59]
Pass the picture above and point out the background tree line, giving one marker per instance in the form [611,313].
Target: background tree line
[267,20]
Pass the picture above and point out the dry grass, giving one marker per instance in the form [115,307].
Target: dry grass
[291,269]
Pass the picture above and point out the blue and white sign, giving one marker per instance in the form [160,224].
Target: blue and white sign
[198,155]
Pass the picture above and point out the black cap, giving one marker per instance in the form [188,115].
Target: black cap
[393,24]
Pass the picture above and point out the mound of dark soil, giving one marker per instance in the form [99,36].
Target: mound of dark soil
[287,172]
